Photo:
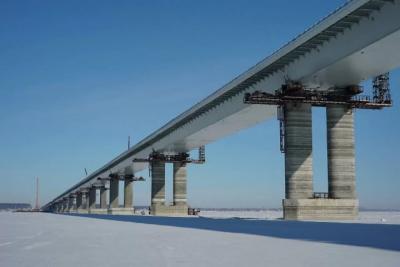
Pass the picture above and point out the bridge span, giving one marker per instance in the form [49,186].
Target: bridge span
[357,42]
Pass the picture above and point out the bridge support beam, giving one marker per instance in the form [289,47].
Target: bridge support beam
[298,159]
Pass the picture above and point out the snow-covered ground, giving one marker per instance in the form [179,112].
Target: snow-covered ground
[392,217]
[228,238]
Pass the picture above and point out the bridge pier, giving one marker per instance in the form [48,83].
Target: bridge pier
[128,192]
[92,199]
[78,201]
[65,205]
[298,160]
[128,197]
[82,200]
[114,191]
[72,203]
[57,207]
[341,162]
[114,195]
[93,209]
[179,188]
[299,202]
[103,197]
[158,206]
[157,188]
[62,206]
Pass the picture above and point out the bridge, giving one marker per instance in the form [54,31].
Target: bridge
[321,67]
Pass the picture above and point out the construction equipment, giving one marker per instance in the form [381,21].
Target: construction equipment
[171,158]
[182,157]
[122,177]
[349,95]
[381,90]
[295,92]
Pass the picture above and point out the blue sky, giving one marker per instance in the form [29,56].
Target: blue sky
[78,77]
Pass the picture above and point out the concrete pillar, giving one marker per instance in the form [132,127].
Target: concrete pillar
[114,186]
[84,200]
[300,204]
[103,197]
[114,205]
[158,183]
[92,198]
[179,189]
[75,202]
[72,203]
[79,201]
[341,156]
[128,193]
[65,209]
[298,154]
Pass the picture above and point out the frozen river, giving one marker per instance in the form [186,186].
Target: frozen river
[230,238]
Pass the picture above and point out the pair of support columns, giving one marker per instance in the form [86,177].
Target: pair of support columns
[81,201]
[65,205]
[128,196]
[86,200]
[299,202]
[158,206]
[92,195]
[72,203]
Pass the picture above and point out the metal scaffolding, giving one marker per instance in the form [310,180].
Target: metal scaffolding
[295,92]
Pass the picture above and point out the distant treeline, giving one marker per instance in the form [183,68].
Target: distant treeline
[14,206]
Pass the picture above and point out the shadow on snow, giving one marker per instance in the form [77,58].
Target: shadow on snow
[379,236]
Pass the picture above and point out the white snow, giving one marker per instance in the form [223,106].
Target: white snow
[388,217]
[226,239]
